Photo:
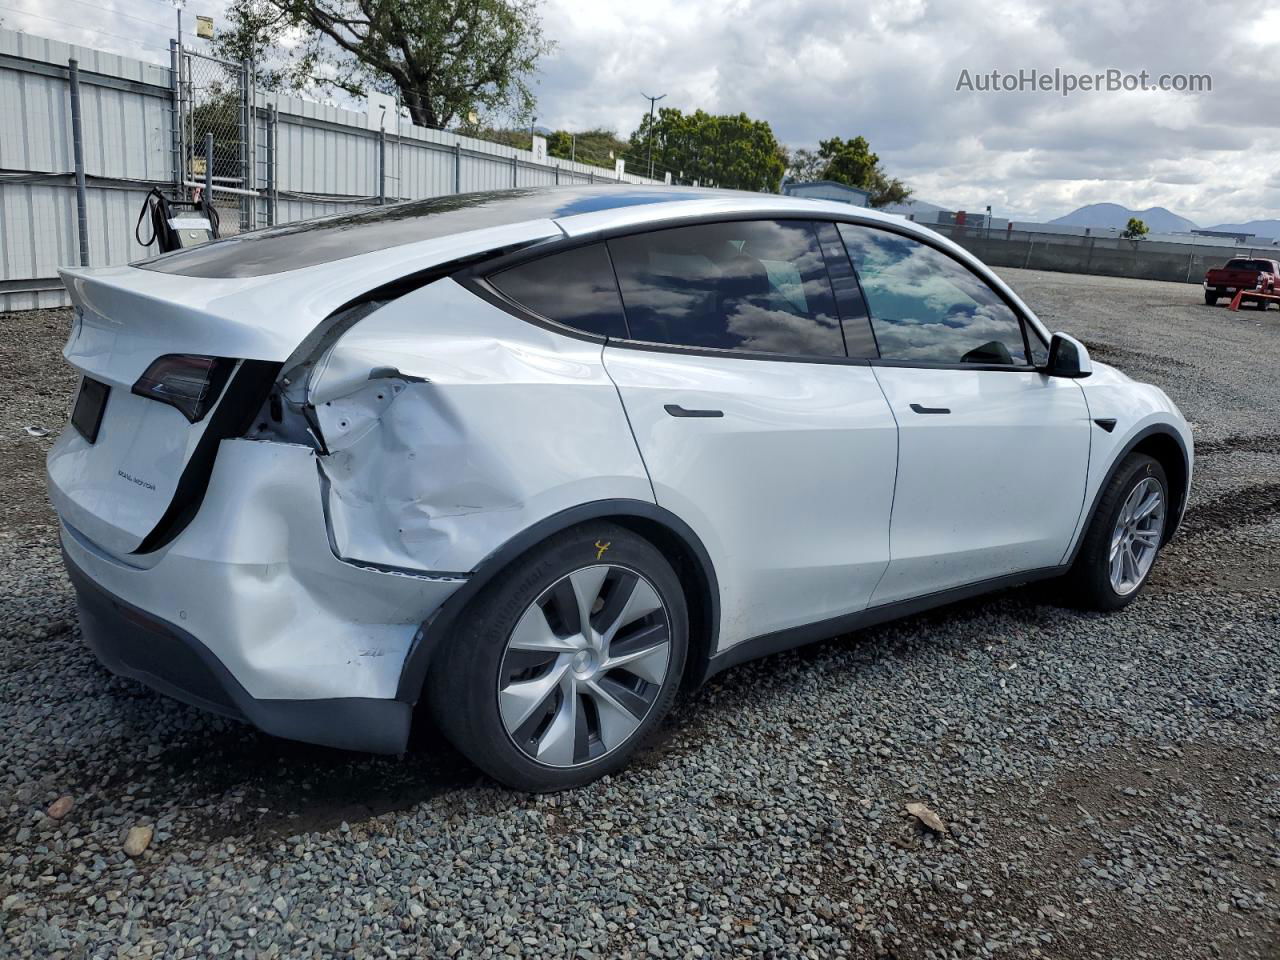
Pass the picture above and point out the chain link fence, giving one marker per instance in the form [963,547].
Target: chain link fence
[216,136]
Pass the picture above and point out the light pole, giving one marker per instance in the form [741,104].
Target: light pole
[652,101]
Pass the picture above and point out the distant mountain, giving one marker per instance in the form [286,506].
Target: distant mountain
[1104,215]
[1261,228]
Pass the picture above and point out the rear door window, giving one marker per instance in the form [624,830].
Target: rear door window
[928,308]
[753,285]
[575,288]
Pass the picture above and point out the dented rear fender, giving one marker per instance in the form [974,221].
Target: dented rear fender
[450,426]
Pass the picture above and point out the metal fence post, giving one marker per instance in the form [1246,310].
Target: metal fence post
[208,167]
[457,167]
[382,166]
[247,211]
[557,174]
[271,165]
[515,171]
[77,148]
[186,148]
[176,131]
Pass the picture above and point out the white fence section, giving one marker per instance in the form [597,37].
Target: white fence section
[309,159]
[127,111]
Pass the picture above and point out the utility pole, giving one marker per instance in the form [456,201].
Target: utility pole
[652,101]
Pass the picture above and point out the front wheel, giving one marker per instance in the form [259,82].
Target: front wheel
[563,666]
[1123,538]
[1210,298]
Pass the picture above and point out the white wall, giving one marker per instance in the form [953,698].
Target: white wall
[326,161]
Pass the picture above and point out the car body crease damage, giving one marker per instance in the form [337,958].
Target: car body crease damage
[401,467]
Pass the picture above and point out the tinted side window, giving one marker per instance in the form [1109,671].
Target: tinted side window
[575,288]
[757,285]
[1039,349]
[927,307]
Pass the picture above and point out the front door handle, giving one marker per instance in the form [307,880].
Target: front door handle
[919,409]
[678,411]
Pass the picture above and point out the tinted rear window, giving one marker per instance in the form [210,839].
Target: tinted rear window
[575,288]
[1262,265]
[325,239]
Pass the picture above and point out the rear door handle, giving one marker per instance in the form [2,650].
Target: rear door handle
[919,409]
[678,411]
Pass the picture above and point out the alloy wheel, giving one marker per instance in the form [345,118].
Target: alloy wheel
[584,665]
[1136,536]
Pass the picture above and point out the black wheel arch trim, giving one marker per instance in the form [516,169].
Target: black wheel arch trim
[437,627]
[779,641]
[1180,502]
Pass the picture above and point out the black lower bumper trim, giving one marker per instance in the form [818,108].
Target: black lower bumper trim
[133,643]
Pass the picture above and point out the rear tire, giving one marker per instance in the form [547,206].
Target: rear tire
[1122,542]
[540,702]
[1210,299]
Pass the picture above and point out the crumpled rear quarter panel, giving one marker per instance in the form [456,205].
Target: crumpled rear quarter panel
[254,580]
[489,424]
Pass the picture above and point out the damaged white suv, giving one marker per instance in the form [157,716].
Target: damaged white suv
[535,459]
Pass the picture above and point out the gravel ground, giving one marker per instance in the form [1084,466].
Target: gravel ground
[1109,785]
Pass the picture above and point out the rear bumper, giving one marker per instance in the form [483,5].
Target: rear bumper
[133,643]
[249,613]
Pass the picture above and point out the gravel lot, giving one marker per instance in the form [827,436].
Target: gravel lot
[1110,786]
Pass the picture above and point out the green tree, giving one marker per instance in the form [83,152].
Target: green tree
[730,150]
[217,113]
[805,165]
[519,139]
[1135,229]
[445,58]
[850,162]
[598,147]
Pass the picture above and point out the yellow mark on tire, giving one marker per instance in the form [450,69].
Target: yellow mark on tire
[601,548]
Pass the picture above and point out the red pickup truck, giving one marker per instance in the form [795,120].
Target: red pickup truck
[1239,275]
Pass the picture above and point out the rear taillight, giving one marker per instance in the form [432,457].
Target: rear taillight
[190,383]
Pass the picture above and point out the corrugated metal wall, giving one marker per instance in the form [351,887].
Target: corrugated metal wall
[126,111]
[326,161]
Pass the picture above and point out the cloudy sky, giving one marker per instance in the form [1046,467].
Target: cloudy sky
[889,71]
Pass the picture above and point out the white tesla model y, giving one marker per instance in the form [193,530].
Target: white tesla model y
[534,459]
